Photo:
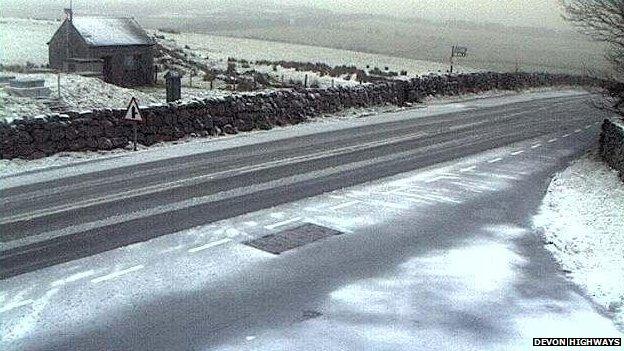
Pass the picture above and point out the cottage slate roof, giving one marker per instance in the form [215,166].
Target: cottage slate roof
[107,31]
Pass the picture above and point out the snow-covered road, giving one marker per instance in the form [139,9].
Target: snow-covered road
[440,258]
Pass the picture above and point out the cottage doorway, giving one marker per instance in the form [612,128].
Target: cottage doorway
[107,69]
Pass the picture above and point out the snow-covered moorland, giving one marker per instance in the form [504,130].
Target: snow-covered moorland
[582,219]
[24,40]
[220,48]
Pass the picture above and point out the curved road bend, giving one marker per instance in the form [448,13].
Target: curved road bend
[49,222]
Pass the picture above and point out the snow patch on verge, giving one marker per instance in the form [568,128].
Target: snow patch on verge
[581,219]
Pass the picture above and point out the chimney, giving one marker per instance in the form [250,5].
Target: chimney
[69,14]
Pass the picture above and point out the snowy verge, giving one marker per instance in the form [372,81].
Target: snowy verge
[581,219]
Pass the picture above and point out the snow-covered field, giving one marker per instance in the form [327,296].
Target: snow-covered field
[24,40]
[582,218]
[220,48]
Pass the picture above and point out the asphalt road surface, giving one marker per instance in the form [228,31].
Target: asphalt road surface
[437,252]
[80,215]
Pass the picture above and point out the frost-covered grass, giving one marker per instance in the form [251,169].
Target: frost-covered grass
[582,218]
[24,40]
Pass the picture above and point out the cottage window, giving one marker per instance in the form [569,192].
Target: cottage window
[137,60]
[129,62]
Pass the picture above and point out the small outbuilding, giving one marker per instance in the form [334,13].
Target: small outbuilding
[118,48]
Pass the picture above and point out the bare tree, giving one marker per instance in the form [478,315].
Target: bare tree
[603,20]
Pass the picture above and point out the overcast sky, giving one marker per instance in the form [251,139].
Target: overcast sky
[536,13]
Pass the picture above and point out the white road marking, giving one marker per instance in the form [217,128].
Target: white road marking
[195,180]
[435,179]
[343,205]
[431,197]
[467,187]
[552,140]
[226,194]
[387,204]
[497,175]
[209,245]
[15,305]
[425,189]
[515,153]
[325,222]
[117,274]
[418,200]
[279,224]
[314,209]
[475,184]
[72,278]
[495,160]
[577,131]
[468,169]
[535,146]
[565,135]
[336,196]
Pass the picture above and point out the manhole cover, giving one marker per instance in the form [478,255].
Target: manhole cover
[289,239]
[310,314]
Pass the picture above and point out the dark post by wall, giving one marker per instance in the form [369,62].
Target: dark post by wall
[105,129]
[612,145]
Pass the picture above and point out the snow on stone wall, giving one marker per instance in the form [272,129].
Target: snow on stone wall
[612,145]
[105,129]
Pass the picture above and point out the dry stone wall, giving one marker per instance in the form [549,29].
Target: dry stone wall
[612,145]
[105,129]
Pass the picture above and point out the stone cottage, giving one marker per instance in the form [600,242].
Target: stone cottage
[117,49]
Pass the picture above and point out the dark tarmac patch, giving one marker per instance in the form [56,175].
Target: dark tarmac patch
[289,239]
[310,314]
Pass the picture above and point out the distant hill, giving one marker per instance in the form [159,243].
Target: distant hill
[491,46]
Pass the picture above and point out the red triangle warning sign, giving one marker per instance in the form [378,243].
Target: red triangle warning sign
[133,113]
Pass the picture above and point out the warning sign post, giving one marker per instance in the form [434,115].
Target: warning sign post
[134,114]
[457,51]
